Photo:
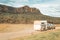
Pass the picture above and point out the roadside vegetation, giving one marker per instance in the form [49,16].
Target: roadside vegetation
[25,18]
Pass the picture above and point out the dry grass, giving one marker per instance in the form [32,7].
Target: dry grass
[47,35]
[14,27]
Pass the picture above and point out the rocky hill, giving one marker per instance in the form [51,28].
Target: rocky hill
[21,10]
[24,14]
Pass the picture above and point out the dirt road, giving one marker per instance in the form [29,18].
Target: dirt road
[6,36]
[25,32]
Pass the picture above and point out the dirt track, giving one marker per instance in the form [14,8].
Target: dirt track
[9,35]
[25,32]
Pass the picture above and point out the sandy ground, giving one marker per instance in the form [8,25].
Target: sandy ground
[9,35]
[21,33]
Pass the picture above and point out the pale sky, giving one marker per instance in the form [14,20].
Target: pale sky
[47,7]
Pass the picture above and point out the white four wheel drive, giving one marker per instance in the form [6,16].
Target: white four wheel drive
[50,26]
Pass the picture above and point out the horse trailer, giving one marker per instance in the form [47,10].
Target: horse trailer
[40,25]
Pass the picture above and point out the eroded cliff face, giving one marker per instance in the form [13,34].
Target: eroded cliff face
[25,9]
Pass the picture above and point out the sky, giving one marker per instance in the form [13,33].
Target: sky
[47,7]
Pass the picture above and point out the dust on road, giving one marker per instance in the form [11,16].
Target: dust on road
[9,35]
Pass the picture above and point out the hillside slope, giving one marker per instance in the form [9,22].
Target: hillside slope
[23,15]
